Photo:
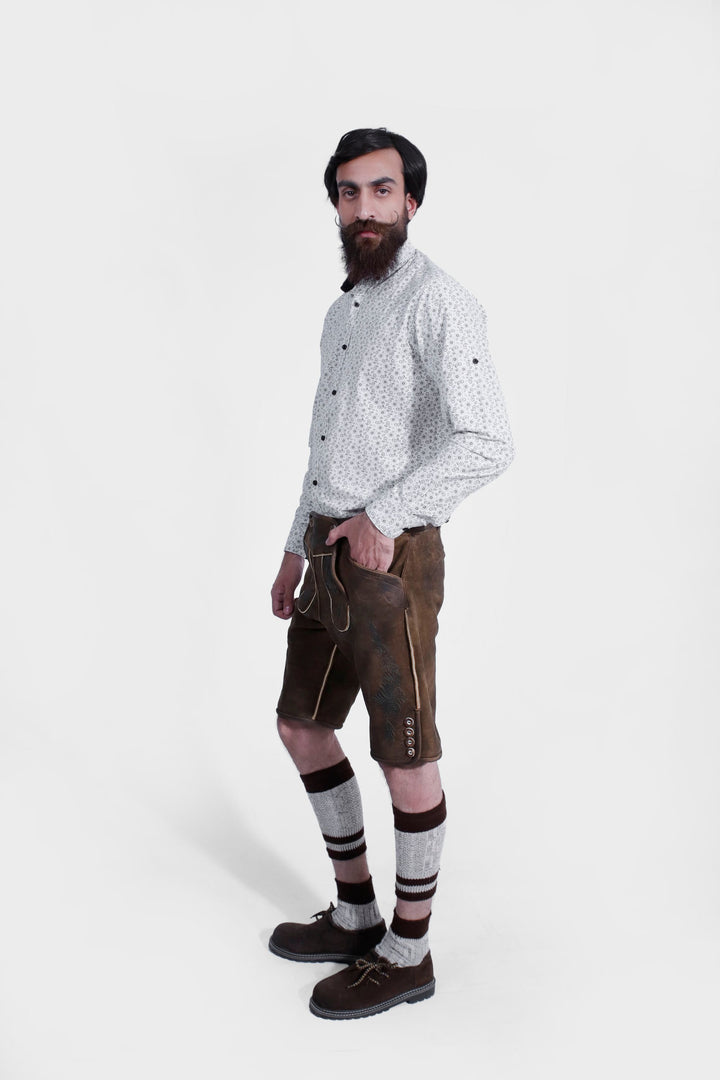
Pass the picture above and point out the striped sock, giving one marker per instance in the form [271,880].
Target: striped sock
[418,845]
[335,797]
[356,906]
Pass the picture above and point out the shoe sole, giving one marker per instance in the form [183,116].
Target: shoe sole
[410,997]
[314,958]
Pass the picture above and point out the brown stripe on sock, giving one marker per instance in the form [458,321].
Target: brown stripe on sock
[356,892]
[326,779]
[351,838]
[344,856]
[417,880]
[410,928]
[422,822]
[412,896]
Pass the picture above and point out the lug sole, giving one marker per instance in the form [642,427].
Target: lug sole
[410,997]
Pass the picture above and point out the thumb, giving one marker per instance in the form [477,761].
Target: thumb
[334,535]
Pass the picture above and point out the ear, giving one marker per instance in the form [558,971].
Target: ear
[411,205]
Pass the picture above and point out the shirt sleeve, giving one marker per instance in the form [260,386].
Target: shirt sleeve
[451,339]
[295,540]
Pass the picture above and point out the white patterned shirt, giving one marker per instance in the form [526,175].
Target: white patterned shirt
[409,417]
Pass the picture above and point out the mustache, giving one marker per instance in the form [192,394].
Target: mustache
[382,228]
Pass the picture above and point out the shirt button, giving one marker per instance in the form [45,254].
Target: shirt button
[334,392]
[314,483]
[322,438]
[344,346]
[474,361]
[356,304]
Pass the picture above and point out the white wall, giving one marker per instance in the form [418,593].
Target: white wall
[167,257]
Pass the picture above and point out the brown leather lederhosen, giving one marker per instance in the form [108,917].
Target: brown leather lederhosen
[355,628]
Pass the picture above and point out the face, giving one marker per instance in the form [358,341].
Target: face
[372,188]
[374,211]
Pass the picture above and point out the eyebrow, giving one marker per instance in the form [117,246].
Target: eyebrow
[372,183]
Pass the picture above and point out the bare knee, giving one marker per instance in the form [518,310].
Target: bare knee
[287,730]
[296,733]
[310,745]
[414,789]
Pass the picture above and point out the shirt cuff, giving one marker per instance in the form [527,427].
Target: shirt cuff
[295,541]
[387,514]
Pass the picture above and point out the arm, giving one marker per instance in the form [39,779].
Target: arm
[452,344]
[288,578]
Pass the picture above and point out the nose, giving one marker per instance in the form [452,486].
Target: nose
[364,209]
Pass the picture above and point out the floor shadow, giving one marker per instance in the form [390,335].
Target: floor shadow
[220,829]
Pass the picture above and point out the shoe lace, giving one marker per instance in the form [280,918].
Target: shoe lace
[370,968]
[324,914]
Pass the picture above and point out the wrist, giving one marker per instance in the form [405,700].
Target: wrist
[291,556]
[374,526]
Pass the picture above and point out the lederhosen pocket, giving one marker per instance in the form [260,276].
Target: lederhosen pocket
[339,608]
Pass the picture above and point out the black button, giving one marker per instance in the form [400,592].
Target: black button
[334,392]
[474,361]
[344,346]
[356,304]
[314,483]
[322,437]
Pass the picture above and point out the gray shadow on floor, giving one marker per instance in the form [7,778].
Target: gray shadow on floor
[220,829]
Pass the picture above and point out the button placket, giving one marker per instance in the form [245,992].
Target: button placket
[351,315]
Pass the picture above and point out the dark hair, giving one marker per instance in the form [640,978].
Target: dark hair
[363,141]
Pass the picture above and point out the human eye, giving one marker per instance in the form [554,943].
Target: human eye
[383,191]
[348,193]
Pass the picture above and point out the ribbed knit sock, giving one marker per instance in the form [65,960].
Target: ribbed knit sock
[335,797]
[418,846]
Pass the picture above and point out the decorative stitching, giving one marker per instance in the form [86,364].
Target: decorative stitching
[322,688]
[412,661]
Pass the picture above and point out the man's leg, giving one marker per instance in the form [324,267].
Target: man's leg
[335,797]
[316,749]
[419,814]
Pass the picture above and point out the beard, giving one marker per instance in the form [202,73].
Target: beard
[367,257]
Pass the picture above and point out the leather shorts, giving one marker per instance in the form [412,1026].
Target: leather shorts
[358,629]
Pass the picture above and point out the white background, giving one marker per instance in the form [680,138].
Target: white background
[168,255]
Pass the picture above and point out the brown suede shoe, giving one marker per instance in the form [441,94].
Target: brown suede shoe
[322,940]
[372,985]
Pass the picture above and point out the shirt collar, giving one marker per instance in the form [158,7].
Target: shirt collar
[404,255]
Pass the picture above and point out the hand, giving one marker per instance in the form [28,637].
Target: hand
[368,546]
[285,584]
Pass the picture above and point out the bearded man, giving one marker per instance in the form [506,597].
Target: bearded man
[408,420]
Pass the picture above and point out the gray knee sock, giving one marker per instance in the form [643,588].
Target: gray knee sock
[418,846]
[335,797]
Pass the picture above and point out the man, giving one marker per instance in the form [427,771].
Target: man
[408,420]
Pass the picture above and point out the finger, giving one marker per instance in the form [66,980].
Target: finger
[286,601]
[278,598]
[338,531]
